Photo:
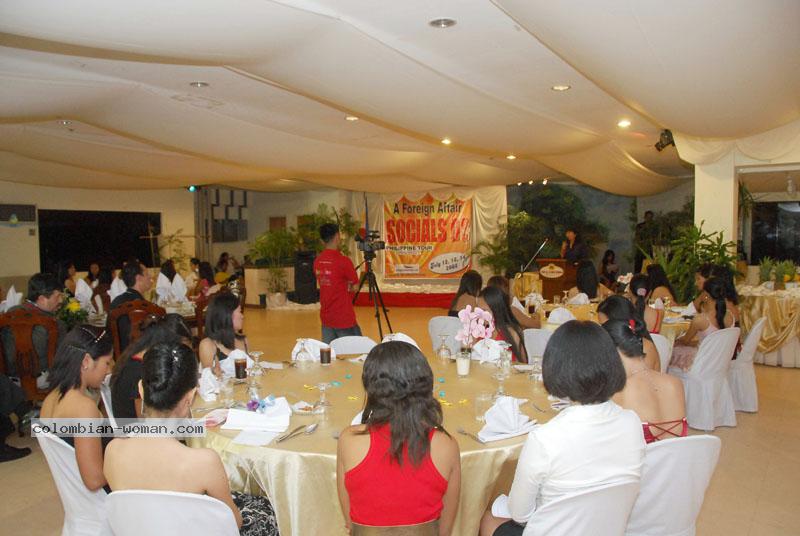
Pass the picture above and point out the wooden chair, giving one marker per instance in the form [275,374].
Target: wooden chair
[21,323]
[102,291]
[136,311]
[200,306]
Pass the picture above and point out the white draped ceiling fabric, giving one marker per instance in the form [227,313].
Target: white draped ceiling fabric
[97,94]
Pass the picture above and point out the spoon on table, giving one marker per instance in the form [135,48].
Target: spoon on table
[469,434]
[307,430]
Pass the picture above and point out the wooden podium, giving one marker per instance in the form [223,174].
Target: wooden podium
[557,275]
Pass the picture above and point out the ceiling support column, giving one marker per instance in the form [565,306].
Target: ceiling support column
[716,196]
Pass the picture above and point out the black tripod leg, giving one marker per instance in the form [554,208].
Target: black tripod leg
[383,308]
[373,297]
[360,285]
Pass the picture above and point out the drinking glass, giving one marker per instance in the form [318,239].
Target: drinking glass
[501,378]
[256,369]
[443,352]
[226,392]
[304,356]
[556,300]
[322,387]
[565,298]
[483,401]
[536,369]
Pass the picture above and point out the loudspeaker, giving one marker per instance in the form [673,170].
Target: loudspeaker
[305,282]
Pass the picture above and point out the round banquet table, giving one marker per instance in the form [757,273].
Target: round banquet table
[299,474]
[780,340]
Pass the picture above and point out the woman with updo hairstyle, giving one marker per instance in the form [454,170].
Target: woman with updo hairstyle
[467,294]
[399,467]
[712,316]
[637,293]
[619,308]
[168,387]
[224,322]
[82,361]
[657,398]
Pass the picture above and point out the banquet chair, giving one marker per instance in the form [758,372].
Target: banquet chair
[709,402]
[602,511]
[444,325]
[664,348]
[84,510]
[101,293]
[675,475]
[136,311]
[200,306]
[742,376]
[535,341]
[21,323]
[354,344]
[105,395]
[168,512]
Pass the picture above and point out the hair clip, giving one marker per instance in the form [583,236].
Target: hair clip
[632,325]
[641,292]
[175,355]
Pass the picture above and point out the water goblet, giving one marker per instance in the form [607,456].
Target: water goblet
[566,296]
[226,392]
[443,352]
[256,369]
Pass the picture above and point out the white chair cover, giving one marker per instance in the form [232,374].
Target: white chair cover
[444,325]
[105,394]
[709,402]
[664,347]
[602,511]
[675,475]
[139,512]
[84,510]
[536,341]
[400,337]
[354,344]
[741,375]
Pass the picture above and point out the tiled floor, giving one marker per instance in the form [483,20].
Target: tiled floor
[755,489]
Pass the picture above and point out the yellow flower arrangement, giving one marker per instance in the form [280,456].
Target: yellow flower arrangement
[73,306]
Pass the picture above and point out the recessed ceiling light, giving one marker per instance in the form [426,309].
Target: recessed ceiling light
[544,182]
[511,157]
[447,141]
[442,23]
[560,87]
[198,84]
[351,118]
[65,122]
[530,181]
[519,184]
[624,123]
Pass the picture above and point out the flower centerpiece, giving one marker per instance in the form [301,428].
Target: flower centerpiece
[625,280]
[476,324]
[70,313]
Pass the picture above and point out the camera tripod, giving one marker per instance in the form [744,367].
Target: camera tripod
[374,292]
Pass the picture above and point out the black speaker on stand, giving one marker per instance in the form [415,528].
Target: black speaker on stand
[305,282]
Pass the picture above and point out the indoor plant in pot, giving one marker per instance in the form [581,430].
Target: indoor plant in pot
[274,248]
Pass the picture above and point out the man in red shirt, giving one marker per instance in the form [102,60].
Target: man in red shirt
[336,276]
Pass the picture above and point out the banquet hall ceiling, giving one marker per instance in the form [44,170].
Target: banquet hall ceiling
[96,94]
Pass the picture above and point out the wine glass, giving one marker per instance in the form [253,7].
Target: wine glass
[566,296]
[500,376]
[322,404]
[256,369]
[536,369]
[556,300]
[304,356]
[443,352]
[226,393]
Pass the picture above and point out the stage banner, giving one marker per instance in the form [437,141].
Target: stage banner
[428,238]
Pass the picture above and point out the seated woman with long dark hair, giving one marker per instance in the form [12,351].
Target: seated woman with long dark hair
[399,467]
[81,363]
[660,287]
[588,284]
[609,269]
[638,290]
[524,320]
[125,398]
[591,443]
[468,289]
[224,321]
[205,282]
[168,387]
[506,326]
[656,397]
[619,308]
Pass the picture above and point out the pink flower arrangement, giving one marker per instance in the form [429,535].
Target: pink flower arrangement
[476,324]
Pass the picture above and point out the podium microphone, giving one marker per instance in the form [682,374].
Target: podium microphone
[546,240]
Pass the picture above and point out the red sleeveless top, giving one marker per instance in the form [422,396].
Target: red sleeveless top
[384,493]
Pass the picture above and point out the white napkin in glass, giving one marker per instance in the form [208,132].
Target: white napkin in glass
[689,310]
[487,350]
[83,293]
[163,288]
[504,420]
[179,288]
[312,347]
[13,298]
[518,304]
[275,418]
[227,365]
[209,385]
[659,304]
[400,337]
[117,288]
[580,298]
[559,315]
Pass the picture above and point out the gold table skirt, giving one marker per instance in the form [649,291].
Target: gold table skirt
[299,475]
[779,344]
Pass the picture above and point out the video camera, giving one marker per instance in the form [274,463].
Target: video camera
[369,243]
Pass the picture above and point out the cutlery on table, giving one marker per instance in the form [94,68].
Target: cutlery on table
[469,434]
[286,436]
[307,430]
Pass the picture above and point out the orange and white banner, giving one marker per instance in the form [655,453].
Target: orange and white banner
[428,238]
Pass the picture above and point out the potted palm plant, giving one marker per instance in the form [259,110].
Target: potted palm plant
[274,248]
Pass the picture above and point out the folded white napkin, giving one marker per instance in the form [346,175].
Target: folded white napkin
[580,298]
[13,298]
[271,365]
[227,365]
[255,438]
[312,347]
[179,288]
[559,315]
[673,320]
[117,288]
[209,385]
[275,418]
[357,419]
[163,288]
[689,310]
[83,293]
[358,360]
[400,337]
[487,350]
[659,304]
[505,420]
[518,304]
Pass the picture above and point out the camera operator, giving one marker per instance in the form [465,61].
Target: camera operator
[336,276]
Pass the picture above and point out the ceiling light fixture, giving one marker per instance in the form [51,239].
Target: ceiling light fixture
[624,123]
[192,188]
[511,157]
[447,141]
[350,118]
[442,23]
[530,181]
[561,87]
[65,122]
[519,184]
[198,84]
[544,182]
